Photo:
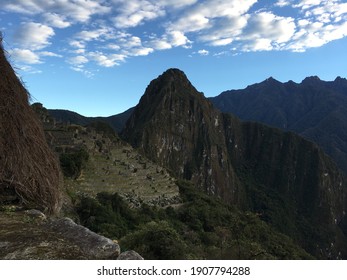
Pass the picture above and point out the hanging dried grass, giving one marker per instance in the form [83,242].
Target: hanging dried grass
[27,165]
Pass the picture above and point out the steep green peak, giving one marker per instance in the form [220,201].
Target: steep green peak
[172,82]
[174,72]
[172,76]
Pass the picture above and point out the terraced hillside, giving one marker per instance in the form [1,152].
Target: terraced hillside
[112,165]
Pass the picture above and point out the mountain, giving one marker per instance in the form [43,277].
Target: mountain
[178,128]
[288,181]
[117,192]
[315,109]
[117,122]
[66,116]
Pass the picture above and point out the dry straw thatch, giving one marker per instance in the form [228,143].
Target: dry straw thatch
[27,165]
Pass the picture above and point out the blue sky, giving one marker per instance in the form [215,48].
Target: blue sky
[96,57]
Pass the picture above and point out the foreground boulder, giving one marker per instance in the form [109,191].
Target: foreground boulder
[92,245]
[29,236]
[129,255]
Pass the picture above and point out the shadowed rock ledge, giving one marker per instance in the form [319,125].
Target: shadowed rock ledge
[26,235]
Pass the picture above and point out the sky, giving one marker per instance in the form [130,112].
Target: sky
[96,57]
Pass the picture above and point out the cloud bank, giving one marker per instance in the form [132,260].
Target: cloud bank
[108,32]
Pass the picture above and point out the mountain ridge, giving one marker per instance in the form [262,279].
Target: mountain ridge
[315,109]
[284,177]
[116,121]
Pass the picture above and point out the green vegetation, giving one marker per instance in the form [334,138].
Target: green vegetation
[203,227]
[73,162]
[102,128]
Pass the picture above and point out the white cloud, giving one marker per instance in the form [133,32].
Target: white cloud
[78,51]
[81,69]
[78,60]
[259,44]
[136,12]
[24,7]
[306,4]
[212,9]
[25,56]
[216,22]
[33,36]
[226,22]
[50,54]
[222,42]
[316,34]
[55,20]
[282,3]
[160,44]
[77,10]
[29,69]
[140,27]
[329,9]
[323,21]
[90,35]
[177,38]
[170,39]
[266,27]
[112,46]
[131,42]
[225,30]
[106,60]
[203,52]
[191,22]
[176,3]
[142,51]
[102,33]
[77,44]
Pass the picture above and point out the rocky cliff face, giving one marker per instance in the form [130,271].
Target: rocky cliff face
[178,128]
[287,180]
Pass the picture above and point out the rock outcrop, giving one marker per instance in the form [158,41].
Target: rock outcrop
[30,235]
[93,245]
[129,255]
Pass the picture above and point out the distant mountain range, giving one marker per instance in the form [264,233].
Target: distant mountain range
[117,122]
[314,108]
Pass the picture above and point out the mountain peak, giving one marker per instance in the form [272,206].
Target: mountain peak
[174,72]
[172,82]
[177,127]
[311,79]
[172,75]
[340,79]
[271,80]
